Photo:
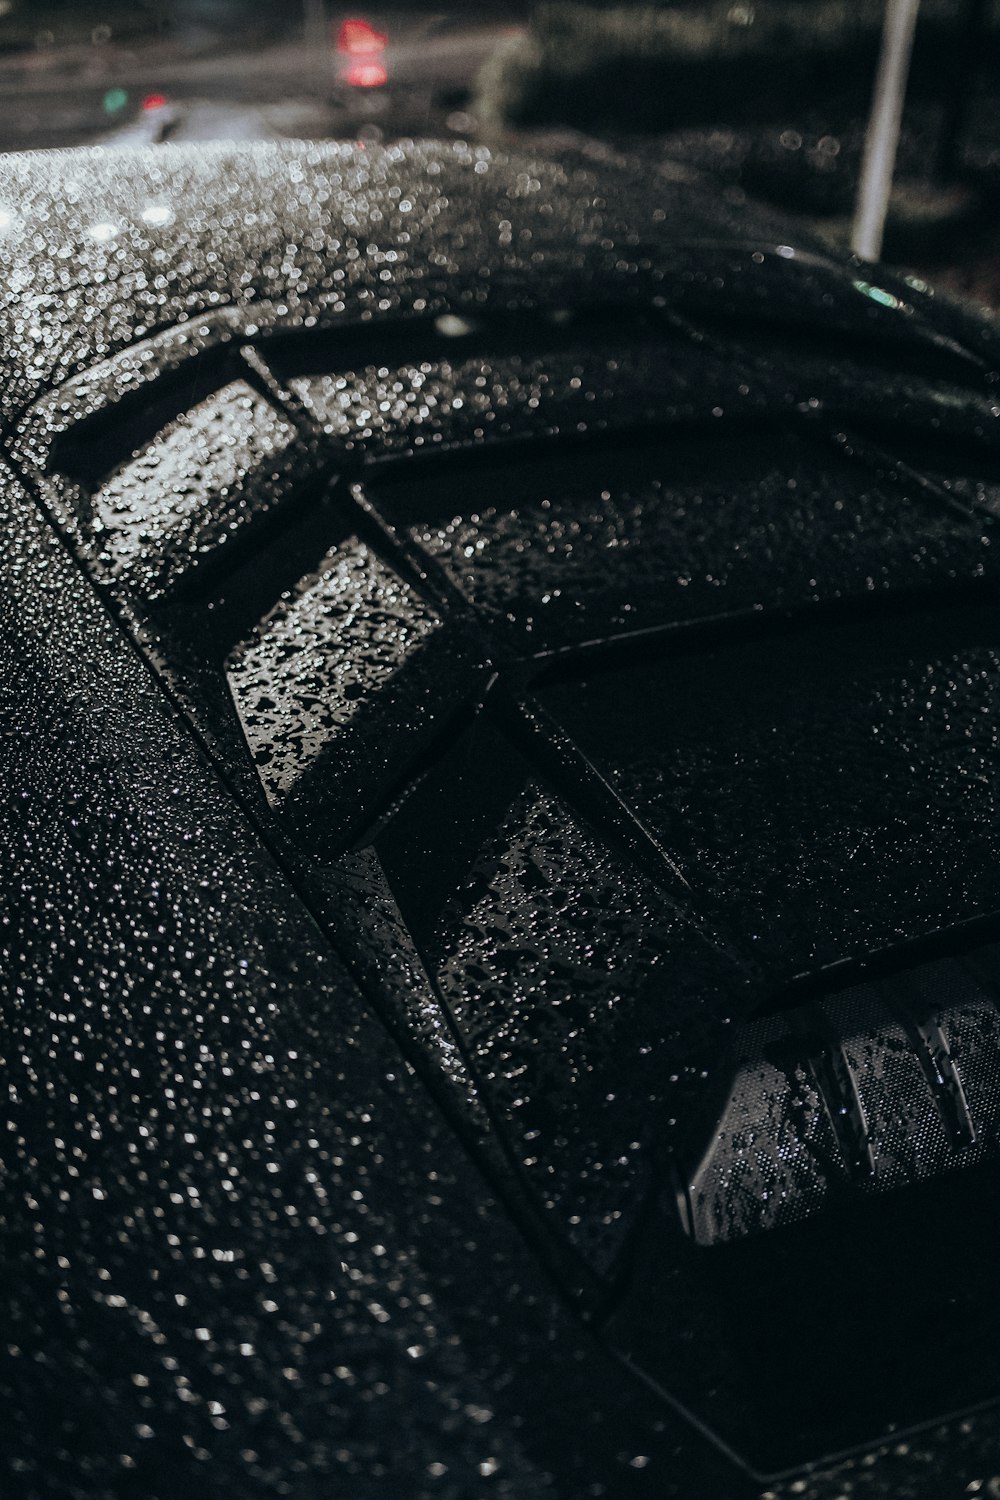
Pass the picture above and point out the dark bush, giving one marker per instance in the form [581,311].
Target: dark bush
[644,67]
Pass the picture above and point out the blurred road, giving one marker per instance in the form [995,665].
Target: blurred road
[292,87]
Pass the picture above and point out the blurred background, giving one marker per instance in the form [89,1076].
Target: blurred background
[770,96]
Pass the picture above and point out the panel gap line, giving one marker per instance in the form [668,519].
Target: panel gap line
[421,570]
[263,378]
[560,1252]
[577,781]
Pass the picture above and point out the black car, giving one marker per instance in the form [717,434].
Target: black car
[501,678]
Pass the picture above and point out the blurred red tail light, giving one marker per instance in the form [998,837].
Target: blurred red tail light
[359,38]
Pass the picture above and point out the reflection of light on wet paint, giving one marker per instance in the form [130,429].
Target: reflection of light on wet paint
[454,327]
[876,294]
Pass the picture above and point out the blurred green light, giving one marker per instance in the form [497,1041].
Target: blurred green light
[877,294]
[114,100]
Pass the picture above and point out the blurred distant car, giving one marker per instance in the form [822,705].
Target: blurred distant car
[361,52]
[501,674]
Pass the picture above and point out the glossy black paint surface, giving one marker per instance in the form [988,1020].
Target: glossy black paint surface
[501,666]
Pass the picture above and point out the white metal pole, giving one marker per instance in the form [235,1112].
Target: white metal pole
[882,136]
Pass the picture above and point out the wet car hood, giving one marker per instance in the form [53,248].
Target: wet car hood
[435,580]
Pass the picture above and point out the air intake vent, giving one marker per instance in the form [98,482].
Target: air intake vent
[866,1088]
[212,472]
